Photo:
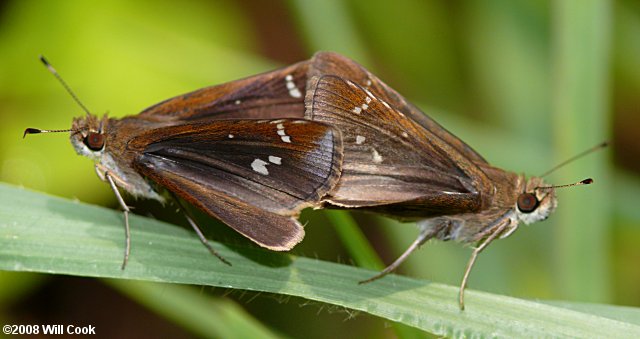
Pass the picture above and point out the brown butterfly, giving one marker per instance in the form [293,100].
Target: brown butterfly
[217,149]
[401,163]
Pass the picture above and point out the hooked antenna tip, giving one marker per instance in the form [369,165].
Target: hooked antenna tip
[587,181]
[47,64]
[31,131]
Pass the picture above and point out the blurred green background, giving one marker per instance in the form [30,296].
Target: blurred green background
[527,83]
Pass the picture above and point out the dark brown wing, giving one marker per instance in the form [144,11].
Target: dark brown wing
[389,158]
[254,175]
[329,63]
[271,95]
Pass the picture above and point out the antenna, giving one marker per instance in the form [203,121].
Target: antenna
[587,181]
[73,95]
[36,131]
[590,150]
[64,84]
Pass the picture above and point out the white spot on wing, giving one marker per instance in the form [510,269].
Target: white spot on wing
[275,160]
[404,134]
[283,135]
[295,93]
[368,82]
[238,102]
[369,93]
[377,158]
[360,139]
[231,136]
[260,166]
[364,106]
[291,86]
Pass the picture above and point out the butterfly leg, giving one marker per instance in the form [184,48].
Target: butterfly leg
[426,233]
[195,227]
[126,210]
[474,255]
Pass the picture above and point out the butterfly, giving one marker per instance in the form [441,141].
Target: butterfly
[219,149]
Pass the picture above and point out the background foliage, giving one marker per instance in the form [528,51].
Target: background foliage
[527,83]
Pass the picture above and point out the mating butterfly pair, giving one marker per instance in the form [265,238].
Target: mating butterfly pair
[320,133]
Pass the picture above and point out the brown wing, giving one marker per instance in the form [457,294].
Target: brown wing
[271,95]
[329,63]
[254,175]
[389,158]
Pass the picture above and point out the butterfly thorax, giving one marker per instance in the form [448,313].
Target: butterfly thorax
[513,200]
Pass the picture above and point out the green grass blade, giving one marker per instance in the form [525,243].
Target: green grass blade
[40,233]
[622,313]
[581,63]
[205,316]
[354,240]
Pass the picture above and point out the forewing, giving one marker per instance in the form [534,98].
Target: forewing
[388,157]
[254,175]
[329,63]
[271,95]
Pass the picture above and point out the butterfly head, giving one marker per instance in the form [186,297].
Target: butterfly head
[536,202]
[88,136]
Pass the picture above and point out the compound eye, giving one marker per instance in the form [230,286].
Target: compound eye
[527,202]
[95,141]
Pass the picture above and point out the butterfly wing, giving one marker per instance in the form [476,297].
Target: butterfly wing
[254,175]
[390,159]
[271,95]
[329,63]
